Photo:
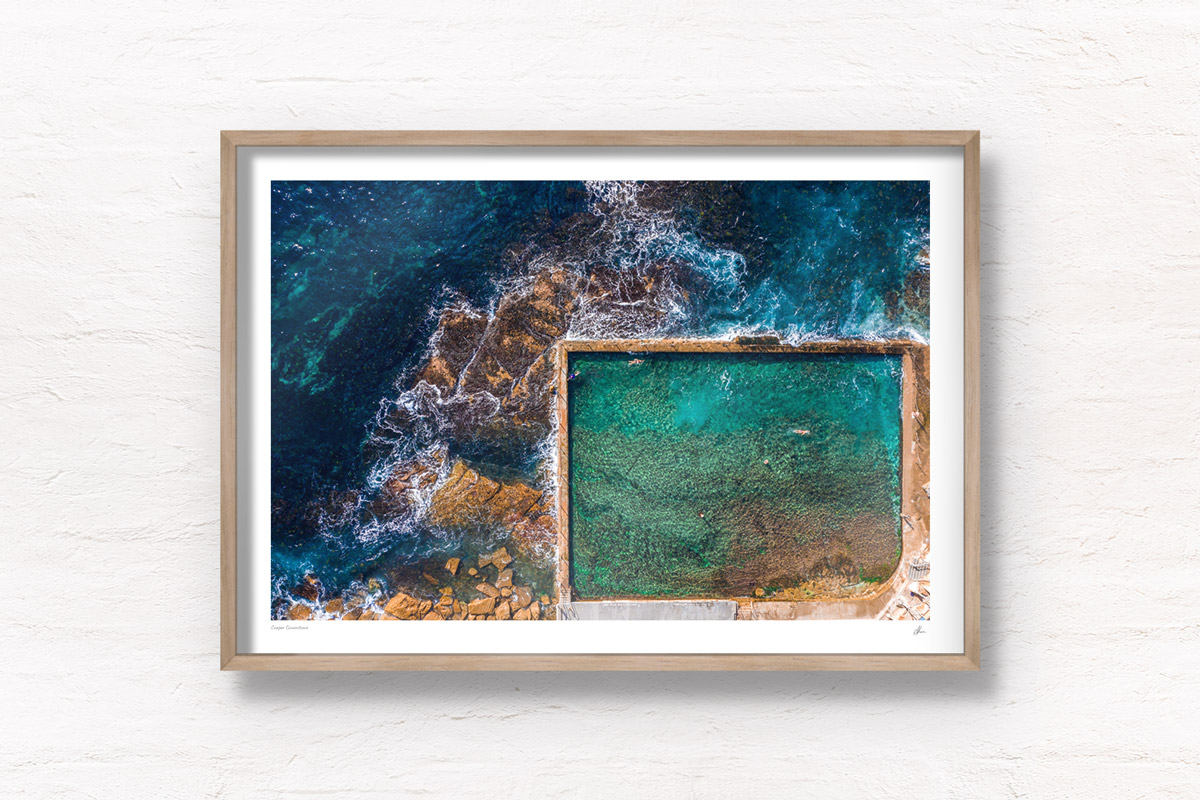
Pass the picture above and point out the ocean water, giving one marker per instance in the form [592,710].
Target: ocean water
[709,475]
[361,272]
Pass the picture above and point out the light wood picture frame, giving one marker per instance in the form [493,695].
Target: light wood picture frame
[237,532]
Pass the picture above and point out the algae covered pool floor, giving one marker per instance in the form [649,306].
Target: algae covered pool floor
[716,474]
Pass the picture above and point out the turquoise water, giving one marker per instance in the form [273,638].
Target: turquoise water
[714,474]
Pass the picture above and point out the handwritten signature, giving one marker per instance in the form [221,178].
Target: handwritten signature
[917,631]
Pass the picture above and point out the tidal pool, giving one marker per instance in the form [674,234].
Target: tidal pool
[718,474]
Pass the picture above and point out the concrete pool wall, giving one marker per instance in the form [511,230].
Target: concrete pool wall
[899,596]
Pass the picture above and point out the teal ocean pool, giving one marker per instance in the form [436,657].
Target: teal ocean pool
[718,474]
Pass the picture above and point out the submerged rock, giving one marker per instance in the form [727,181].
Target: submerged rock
[310,588]
[406,483]
[633,303]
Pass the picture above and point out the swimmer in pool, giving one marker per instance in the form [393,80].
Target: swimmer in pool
[636,361]
[801,431]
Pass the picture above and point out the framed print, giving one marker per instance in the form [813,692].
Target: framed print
[600,400]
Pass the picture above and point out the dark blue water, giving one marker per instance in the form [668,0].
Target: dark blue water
[361,271]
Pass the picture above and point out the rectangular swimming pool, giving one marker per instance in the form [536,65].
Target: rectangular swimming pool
[725,474]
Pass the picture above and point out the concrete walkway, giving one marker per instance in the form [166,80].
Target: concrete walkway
[648,609]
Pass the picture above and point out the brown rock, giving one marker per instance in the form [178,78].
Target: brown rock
[545,599]
[530,396]
[536,532]
[460,607]
[505,578]
[299,611]
[385,616]
[446,591]
[511,505]
[352,614]
[521,614]
[432,616]
[504,610]
[506,591]
[335,606]
[524,326]
[488,589]
[522,596]
[483,605]
[472,572]
[403,606]
[307,590]
[430,578]
[469,501]
[425,607]
[463,498]
[535,610]
[452,565]
[454,342]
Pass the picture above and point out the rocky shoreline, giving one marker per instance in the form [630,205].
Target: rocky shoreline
[489,590]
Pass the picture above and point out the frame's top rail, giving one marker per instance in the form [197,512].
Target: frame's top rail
[920,138]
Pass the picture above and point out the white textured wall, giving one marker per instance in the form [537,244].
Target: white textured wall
[108,438]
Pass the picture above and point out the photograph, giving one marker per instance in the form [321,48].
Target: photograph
[567,400]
